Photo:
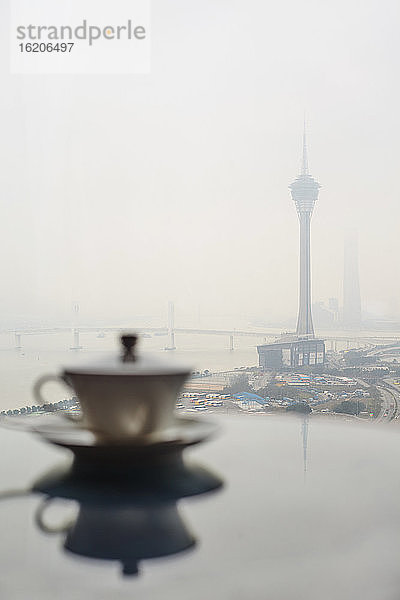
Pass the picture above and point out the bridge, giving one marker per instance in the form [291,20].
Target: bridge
[160,331]
[359,341]
[384,349]
[352,340]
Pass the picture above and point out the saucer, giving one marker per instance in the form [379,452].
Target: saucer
[146,470]
[54,428]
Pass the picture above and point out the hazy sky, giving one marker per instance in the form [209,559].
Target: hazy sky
[123,191]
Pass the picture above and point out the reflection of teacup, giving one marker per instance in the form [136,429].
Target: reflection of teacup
[125,533]
[123,398]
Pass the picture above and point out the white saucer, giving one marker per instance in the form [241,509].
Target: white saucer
[55,429]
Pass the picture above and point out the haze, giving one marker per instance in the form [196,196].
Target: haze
[122,192]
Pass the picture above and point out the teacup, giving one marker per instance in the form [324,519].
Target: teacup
[123,397]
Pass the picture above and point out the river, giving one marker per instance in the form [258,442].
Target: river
[47,353]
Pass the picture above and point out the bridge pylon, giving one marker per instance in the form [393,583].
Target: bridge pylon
[18,345]
[171,327]
[76,342]
[231,343]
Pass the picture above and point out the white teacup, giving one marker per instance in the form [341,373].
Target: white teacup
[123,398]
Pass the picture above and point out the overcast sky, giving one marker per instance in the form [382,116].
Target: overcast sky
[123,191]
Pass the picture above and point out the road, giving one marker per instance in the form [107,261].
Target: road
[390,401]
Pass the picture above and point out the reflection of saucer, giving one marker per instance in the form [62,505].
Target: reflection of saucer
[56,429]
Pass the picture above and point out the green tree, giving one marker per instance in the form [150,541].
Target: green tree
[299,407]
[239,384]
[350,407]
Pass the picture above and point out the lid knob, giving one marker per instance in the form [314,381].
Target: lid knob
[128,341]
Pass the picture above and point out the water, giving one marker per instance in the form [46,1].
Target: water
[46,354]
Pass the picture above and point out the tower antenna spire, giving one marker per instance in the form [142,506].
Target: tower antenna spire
[304,164]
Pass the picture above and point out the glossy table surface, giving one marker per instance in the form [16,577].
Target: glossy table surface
[274,531]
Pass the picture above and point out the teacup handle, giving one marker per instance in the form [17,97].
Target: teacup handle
[40,522]
[37,389]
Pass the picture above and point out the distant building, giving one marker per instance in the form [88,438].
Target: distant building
[333,304]
[323,317]
[351,284]
[326,316]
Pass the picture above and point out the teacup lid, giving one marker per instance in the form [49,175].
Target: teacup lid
[129,363]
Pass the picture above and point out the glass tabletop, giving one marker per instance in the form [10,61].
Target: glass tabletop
[309,509]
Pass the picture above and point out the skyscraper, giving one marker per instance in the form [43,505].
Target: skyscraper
[351,283]
[304,193]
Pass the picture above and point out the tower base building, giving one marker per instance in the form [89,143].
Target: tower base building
[293,354]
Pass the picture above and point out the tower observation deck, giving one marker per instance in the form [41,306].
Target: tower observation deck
[304,192]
